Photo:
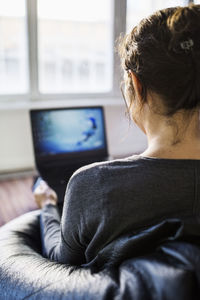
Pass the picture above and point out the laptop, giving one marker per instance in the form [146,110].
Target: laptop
[66,139]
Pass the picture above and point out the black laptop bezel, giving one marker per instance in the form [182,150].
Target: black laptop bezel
[88,154]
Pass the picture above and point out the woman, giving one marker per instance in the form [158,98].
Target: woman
[104,201]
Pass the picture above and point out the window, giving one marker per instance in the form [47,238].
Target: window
[13,47]
[64,49]
[137,10]
[74,42]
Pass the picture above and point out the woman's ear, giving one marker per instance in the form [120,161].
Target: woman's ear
[137,117]
[137,85]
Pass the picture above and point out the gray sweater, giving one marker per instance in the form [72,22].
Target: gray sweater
[104,201]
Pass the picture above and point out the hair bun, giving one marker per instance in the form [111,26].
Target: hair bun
[184,25]
[185,19]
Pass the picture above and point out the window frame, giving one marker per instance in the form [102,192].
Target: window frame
[118,13]
[34,95]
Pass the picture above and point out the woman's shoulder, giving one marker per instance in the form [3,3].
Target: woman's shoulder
[104,167]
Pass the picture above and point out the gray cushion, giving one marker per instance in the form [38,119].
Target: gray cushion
[171,271]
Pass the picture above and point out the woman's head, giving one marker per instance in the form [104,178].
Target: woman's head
[163,54]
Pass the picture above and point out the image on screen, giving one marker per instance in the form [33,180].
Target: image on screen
[68,131]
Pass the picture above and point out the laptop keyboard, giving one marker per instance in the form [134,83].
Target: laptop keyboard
[57,175]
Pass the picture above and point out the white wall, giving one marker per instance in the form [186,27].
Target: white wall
[124,137]
[16,152]
[15,141]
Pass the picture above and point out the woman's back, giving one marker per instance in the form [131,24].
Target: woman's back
[105,201]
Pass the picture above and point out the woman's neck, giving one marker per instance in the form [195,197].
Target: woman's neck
[179,153]
[177,138]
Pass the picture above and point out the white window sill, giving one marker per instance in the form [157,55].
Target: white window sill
[36,104]
[16,174]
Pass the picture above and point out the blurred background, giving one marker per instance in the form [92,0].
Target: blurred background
[61,53]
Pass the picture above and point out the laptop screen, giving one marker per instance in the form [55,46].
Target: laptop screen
[68,131]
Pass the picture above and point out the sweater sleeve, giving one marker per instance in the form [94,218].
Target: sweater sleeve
[61,236]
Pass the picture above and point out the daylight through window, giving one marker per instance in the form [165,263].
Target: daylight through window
[74,42]
[13,47]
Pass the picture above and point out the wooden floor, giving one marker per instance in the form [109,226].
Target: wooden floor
[16,198]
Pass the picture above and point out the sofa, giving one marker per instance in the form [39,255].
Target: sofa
[162,262]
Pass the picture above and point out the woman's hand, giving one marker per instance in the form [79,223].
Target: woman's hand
[43,195]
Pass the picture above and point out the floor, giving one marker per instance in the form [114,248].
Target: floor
[16,198]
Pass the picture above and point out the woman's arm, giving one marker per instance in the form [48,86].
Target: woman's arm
[54,244]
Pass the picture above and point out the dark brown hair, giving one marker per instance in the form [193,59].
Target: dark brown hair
[164,53]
